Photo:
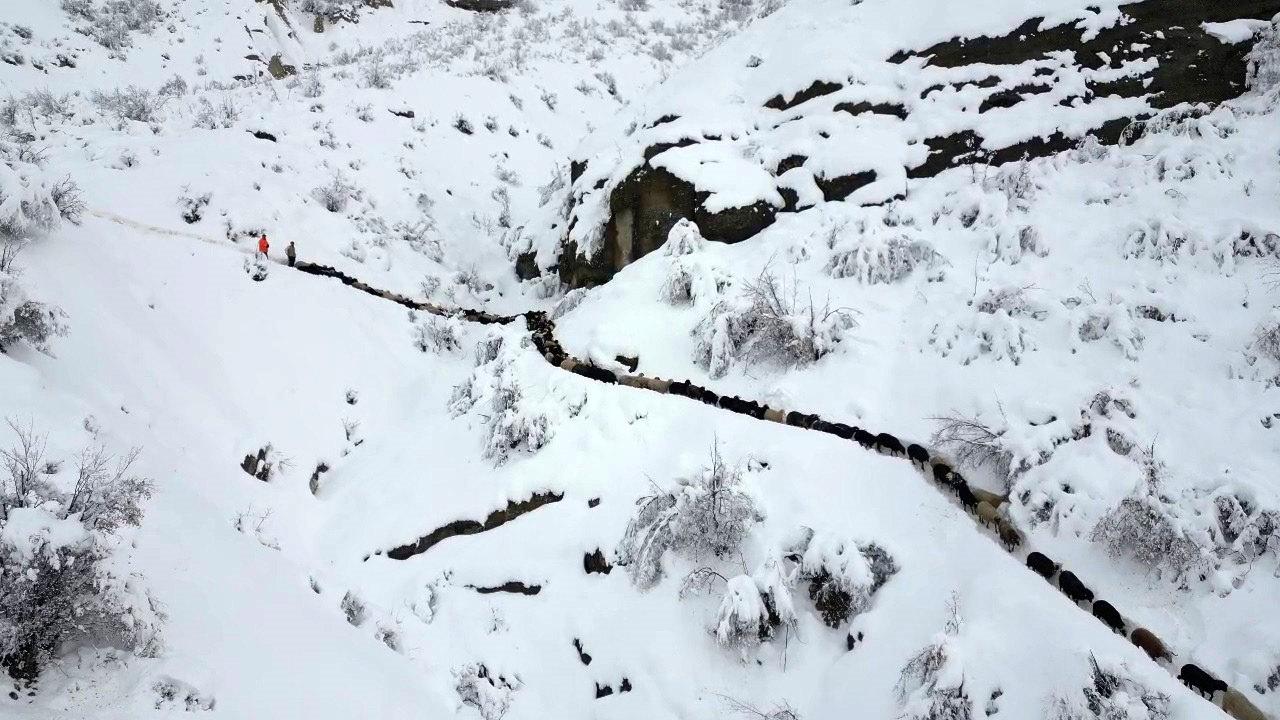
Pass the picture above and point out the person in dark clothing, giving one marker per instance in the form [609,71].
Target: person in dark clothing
[291,253]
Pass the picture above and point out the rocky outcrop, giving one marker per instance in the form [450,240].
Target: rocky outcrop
[642,210]
[482,5]
[1159,55]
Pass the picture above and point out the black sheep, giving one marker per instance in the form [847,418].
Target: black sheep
[1041,565]
[709,397]
[864,438]
[796,419]
[967,498]
[1107,613]
[918,454]
[1073,588]
[820,426]
[595,373]
[759,410]
[888,443]
[843,431]
[942,474]
[1200,681]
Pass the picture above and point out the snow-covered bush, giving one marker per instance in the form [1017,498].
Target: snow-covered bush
[931,684]
[843,575]
[1150,529]
[767,323]
[1012,301]
[516,418]
[876,260]
[1263,69]
[213,116]
[335,196]
[132,103]
[336,10]
[62,578]
[23,319]
[490,695]
[707,515]
[1113,320]
[1111,695]
[997,335]
[435,334]
[193,205]
[111,23]
[354,609]
[743,619]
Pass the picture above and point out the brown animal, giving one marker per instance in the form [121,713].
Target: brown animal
[987,513]
[658,385]
[634,381]
[1150,644]
[1009,535]
[1238,706]
[778,416]
[568,364]
[989,497]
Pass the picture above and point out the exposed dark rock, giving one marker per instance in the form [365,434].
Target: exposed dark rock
[663,121]
[1011,97]
[482,5]
[863,106]
[527,265]
[279,69]
[403,112]
[603,690]
[593,502]
[595,562]
[576,168]
[630,363]
[510,586]
[817,89]
[658,148]
[789,162]
[582,654]
[643,209]
[839,188]
[263,135]
[497,518]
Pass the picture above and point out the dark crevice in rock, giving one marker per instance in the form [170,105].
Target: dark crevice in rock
[1009,98]
[497,518]
[789,162]
[662,121]
[817,89]
[658,148]
[964,147]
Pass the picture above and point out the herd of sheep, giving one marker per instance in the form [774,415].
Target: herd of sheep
[988,507]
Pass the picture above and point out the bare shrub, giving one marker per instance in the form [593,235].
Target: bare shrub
[335,196]
[59,577]
[489,694]
[435,334]
[1112,695]
[354,609]
[211,116]
[925,690]
[132,103]
[769,324]
[884,261]
[781,710]
[707,515]
[112,23]
[972,443]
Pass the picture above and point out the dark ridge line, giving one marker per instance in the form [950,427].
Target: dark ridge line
[514,587]
[496,519]
[930,464]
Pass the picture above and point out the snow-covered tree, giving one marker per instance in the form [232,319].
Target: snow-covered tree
[842,574]
[489,694]
[768,323]
[63,578]
[1111,695]
[707,515]
[931,685]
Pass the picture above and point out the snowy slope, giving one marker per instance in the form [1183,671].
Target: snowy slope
[286,598]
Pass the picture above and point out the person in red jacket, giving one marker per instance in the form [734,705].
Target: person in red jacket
[263,245]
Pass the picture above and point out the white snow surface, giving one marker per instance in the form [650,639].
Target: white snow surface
[175,350]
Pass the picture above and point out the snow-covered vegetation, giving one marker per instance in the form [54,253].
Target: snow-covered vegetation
[1041,242]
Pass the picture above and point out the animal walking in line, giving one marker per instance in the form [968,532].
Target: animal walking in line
[1107,613]
[987,514]
[1202,682]
[886,443]
[1238,706]
[1041,565]
[1073,588]
[1150,644]
[918,455]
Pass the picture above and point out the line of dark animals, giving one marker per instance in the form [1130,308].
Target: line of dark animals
[1193,676]
[984,504]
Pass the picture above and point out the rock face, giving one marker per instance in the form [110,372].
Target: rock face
[642,211]
[482,5]
[1154,56]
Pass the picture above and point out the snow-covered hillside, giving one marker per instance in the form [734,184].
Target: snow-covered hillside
[346,507]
